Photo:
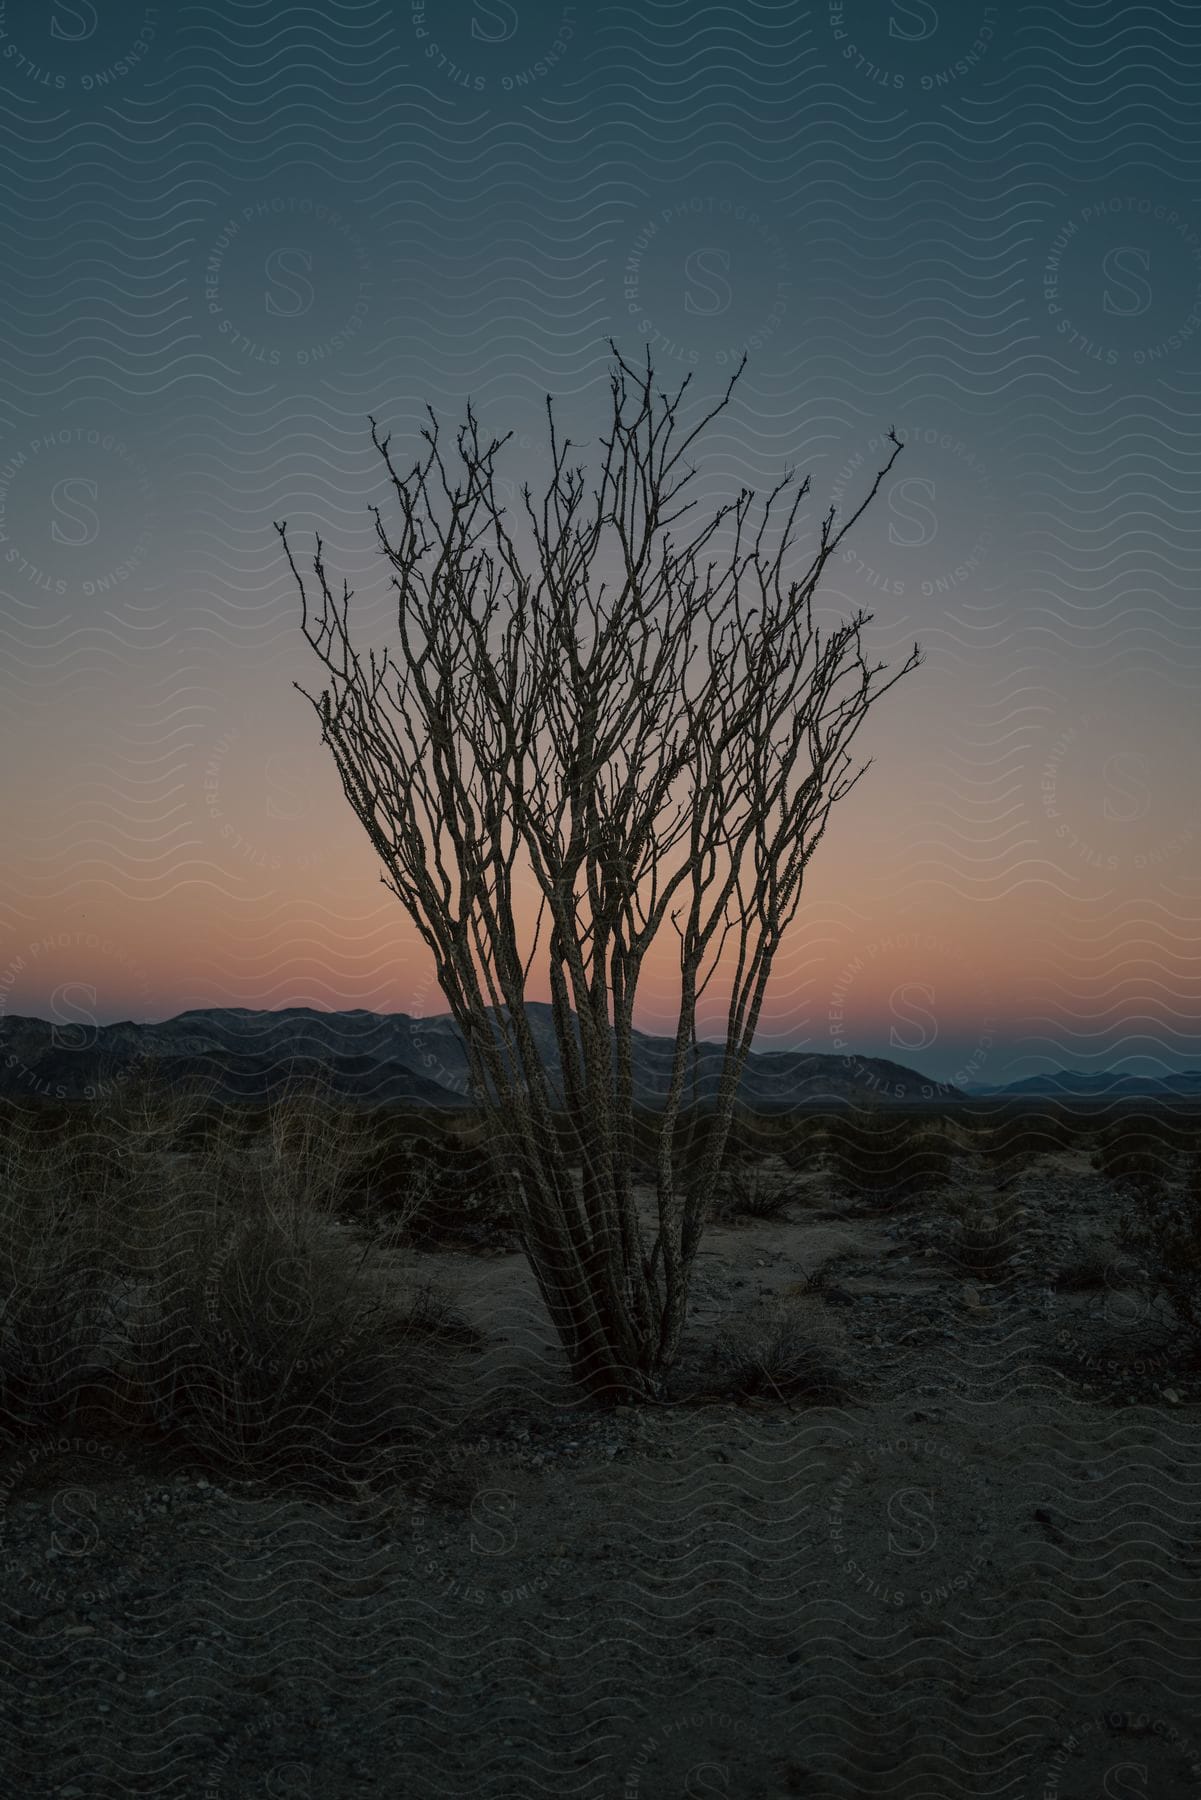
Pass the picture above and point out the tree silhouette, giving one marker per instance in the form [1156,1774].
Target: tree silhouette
[652,728]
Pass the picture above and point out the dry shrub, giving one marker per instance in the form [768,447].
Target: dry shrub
[884,1161]
[435,1174]
[753,1193]
[807,1141]
[1163,1228]
[1010,1145]
[1136,1151]
[787,1352]
[61,1187]
[265,1339]
[55,1317]
[215,1296]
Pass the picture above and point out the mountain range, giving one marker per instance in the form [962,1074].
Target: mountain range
[390,1058]
[1073,1084]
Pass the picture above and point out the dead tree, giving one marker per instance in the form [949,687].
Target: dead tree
[652,727]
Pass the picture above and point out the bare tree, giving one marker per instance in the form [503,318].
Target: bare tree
[653,727]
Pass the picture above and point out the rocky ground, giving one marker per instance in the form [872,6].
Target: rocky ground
[978,1572]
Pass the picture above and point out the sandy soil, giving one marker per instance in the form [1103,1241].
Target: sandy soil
[980,1574]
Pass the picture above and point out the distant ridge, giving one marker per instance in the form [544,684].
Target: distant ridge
[392,1058]
[1074,1084]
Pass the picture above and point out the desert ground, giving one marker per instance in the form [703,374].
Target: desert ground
[923,1519]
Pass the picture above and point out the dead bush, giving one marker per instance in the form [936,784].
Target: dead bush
[1010,1145]
[437,1177]
[884,1161]
[267,1351]
[753,1193]
[807,1142]
[211,1297]
[1162,1227]
[264,1340]
[1135,1151]
[57,1274]
[791,1352]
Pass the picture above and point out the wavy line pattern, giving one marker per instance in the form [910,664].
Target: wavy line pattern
[233,230]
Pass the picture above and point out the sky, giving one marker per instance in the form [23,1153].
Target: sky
[235,230]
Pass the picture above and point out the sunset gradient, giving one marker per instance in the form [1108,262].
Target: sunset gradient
[220,272]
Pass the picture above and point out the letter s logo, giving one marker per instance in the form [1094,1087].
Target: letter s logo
[913,1509]
[501,14]
[926,1025]
[492,1510]
[289,1303]
[85,1025]
[1125,767]
[1124,1303]
[1128,282]
[75,1509]
[69,498]
[1125,1781]
[923,525]
[82,15]
[290,1781]
[706,1780]
[716,290]
[921,16]
[291,281]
